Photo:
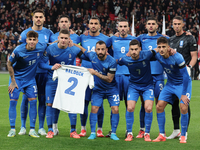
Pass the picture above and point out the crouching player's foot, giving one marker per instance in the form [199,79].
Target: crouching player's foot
[147,137]
[160,138]
[74,135]
[92,136]
[113,136]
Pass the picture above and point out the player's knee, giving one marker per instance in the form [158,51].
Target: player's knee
[130,109]
[159,108]
[184,108]
[148,109]
[94,109]
[115,110]
[49,104]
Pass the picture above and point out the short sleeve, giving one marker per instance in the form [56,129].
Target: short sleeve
[192,43]
[22,37]
[112,67]
[14,57]
[179,60]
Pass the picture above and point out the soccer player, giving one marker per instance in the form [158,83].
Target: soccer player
[185,45]
[41,75]
[148,42]
[103,68]
[89,42]
[64,24]
[178,84]
[57,54]
[140,83]
[120,48]
[22,66]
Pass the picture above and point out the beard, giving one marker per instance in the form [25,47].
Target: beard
[101,56]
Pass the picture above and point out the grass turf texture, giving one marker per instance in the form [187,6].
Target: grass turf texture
[63,141]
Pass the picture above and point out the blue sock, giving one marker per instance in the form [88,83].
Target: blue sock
[33,113]
[85,115]
[148,121]
[12,113]
[93,121]
[56,113]
[72,118]
[100,116]
[24,110]
[115,121]
[111,118]
[142,117]
[129,121]
[41,110]
[184,124]
[161,122]
[49,117]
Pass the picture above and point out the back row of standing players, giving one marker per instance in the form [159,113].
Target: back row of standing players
[120,45]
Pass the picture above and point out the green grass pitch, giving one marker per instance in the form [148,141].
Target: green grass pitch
[63,141]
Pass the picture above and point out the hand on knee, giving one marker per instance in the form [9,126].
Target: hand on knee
[49,104]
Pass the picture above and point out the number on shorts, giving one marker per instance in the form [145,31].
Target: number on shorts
[161,86]
[116,97]
[35,89]
[151,90]
[188,95]
[69,90]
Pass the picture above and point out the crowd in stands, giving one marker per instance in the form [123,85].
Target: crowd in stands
[16,16]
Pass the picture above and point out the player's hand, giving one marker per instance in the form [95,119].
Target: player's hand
[107,53]
[56,66]
[12,86]
[116,34]
[86,33]
[185,99]
[70,43]
[171,51]
[188,33]
[92,71]
[156,49]
[128,54]
[71,31]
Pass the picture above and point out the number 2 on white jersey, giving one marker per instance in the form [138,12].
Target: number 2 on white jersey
[69,90]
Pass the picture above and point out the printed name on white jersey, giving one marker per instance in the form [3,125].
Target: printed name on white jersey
[74,72]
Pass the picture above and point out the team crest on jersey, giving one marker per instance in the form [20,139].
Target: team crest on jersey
[45,37]
[172,66]
[45,53]
[104,69]
[181,44]
[144,64]
[38,55]
[13,55]
[70,55]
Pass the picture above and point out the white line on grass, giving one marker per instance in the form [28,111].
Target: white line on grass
[2,85]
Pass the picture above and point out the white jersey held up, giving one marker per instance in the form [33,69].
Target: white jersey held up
[70,92]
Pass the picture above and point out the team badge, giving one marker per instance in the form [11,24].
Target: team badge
[70,55]
[181,44]
[144,64]
[45,53]
[38,55]
[172,66]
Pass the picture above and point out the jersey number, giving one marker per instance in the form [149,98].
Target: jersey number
[69,90]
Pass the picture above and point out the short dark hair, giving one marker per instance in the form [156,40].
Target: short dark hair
[134,42]
[96,18]
[100,42]
[32,34]
[162,40]
[38,11]
[64,32]
[64,16]
[152,18]
[178,18]
[121,19]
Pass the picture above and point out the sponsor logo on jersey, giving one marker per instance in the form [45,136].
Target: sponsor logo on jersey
[130,64]
[116,40]
[181,44]
[55,55]
[144,40]
[25,57]
[85,41]
[93,62]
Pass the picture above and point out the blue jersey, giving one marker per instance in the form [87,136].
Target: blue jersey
[140,71]
[25,61]
[74,37]
[89,43]
[172,66]
[109,65]
[120,49]
[43,37]
[149,43]
[55,55]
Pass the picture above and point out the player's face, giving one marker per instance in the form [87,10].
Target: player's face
[135,51]
[163,49]
[63,40]
[101,51]
[64,23]
[31,43]
[38,19]
[151,26]
[123,28]
[178,25]
[94,25]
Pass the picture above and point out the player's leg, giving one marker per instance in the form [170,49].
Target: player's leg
[41,83]
[113,98]
[56,113]
[184,121]
[84,116]
[96,102]
[12,109]
[100,117]
[73,132]
[50,93]
[142,119]
[31,93]
[24,112]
